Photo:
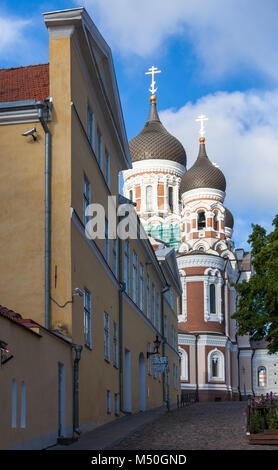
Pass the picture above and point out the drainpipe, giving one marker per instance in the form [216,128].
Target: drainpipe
[121,289]
[77,350]
[166,289]
[41,108]
[253,352]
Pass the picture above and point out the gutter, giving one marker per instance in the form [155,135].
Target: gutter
[77,350]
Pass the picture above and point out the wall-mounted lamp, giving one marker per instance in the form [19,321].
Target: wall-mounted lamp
[156,343]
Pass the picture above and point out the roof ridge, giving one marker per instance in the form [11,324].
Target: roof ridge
[24,66]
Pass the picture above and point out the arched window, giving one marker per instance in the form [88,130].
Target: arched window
[216,366]
[184,364]
[201,220]
[149,198]
[215,221]
[170,198]
[131,195]
[262,376]
[212,305]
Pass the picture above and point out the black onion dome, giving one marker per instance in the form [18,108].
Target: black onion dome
[155,142]
[203,174]
[229,220]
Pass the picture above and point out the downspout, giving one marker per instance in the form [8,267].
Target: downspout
[252,388]
[77,350]
[196,366]
[121,289]
[166,289]
[41,107]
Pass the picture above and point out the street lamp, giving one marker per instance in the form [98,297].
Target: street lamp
[156,343]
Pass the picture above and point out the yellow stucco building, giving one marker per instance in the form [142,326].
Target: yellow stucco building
[62,145]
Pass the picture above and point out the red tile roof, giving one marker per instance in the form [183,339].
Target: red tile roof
[24,83]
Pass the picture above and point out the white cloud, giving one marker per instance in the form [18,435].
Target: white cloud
[242,138]
[225,35]
[12,33]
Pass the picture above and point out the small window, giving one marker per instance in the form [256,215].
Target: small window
[131,195]
[148,297]
[23,406]
[115,344]
[142,298]
[158,324]
[107,168]
[116,404]
[87,319]
[86,198]
[201,220]
[212,299]
[135,277]
[262,376]
[127,267]
[13,403]
[153,302]
[149,198]
[170,198]
[215,222]
[108,401]
[215,366]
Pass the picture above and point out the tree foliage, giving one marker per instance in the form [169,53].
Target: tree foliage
[257,311]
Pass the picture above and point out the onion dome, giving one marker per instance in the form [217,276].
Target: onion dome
[155,142]
[203,174]
[229,220]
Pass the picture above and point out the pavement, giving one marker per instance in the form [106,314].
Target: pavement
[199,426]
[108,435]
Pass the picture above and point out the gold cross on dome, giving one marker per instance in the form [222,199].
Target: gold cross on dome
[152,71]
[202,118]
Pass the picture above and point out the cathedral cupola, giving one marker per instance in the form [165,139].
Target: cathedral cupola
[203,174]
[155,142]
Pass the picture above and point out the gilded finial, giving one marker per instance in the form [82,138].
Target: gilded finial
[202,140]
[152,71]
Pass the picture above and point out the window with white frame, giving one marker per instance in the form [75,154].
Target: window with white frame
[87,319]
[127,267]
[106,336]
[142,298]
[148,297]
[14,403]
[115,256]
[216,364]
[135,277]
[115,344]
[91,127]
[106,243]
[107,168]
[153,302]
[184,364]
[158,311]
[262,376]
[99,148]
[108,401]
[116,404]
[86,198]
[170,198]
[149,198]
[212,299]
[23,406]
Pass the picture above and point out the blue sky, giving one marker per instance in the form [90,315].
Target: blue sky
[216,57]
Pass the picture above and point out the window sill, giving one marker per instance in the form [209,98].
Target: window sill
[107,360]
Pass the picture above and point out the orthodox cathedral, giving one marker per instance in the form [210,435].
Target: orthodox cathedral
[184,209]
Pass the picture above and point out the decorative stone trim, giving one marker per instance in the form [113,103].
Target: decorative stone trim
[166,166]
[212,340]
[203,193]
[183,317]
[190,261]
[186,340]
[215,354]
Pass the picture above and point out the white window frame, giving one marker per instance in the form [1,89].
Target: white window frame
[213,276]
[87,313]
[184,364]
[148,297]
[142,297]
[86,198]
[216,353]
[135,277]
[115,345]
[127,267]
[107,167]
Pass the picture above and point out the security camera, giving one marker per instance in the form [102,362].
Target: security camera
[30,132]
[78,291]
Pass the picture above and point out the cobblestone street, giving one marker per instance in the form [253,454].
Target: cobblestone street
[205,426]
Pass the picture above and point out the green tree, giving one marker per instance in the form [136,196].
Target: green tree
[257,311]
